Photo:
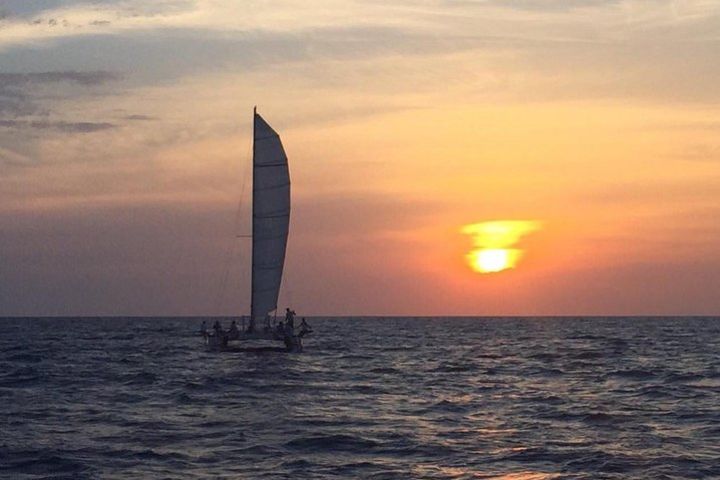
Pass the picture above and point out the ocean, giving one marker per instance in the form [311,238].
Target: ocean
[369,398]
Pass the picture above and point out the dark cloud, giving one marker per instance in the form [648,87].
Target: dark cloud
[16,89]
[542,59]
[153,58]
[546,62]
[52,22]
[23,106]
[17,105]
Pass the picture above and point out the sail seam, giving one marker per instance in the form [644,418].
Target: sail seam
[263,165]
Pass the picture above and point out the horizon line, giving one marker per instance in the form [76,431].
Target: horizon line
[87,317]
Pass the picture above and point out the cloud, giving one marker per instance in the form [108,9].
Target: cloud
[10,157]
[27,9]
[137,117]
[68,127]
[16,104]
[536,6]
[29,101]
[704,152]
[8,80]
[673,193]
[551,5]
[535,50]
[337,79]
[17,90]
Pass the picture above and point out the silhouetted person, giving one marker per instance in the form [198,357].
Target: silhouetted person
[289,330]
[290,318]
[233,333]
[304,328]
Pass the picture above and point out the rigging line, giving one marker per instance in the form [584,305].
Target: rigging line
[232,246]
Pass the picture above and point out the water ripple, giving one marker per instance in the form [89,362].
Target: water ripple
[378,398]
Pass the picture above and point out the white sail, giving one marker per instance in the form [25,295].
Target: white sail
[271,219]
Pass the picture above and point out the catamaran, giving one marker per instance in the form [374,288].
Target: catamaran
[270,226]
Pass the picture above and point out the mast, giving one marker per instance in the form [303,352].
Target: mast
[251,326]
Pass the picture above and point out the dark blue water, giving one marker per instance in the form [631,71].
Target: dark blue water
[369,398]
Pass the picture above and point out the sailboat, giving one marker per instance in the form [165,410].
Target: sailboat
[270,226]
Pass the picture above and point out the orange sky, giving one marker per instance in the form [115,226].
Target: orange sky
[125,136]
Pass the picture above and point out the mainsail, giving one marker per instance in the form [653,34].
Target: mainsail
[271,219]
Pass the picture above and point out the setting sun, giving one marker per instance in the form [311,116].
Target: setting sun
[491,240]
[493,260]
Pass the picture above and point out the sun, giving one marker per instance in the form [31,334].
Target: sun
[493,259]
[496,243]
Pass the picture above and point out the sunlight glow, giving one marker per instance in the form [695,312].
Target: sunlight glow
[492,239]
[493,260]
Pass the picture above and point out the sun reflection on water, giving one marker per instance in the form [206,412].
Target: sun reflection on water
[468,472]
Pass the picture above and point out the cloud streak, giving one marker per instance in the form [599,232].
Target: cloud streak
[17,90]
[67,127]
[8,80]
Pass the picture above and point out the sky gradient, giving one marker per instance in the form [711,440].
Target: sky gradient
[125,151]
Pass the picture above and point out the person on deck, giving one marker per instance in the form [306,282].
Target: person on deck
[289,330]
[290,318]
[217,328]
[233,333]
[304,328]
[203,328]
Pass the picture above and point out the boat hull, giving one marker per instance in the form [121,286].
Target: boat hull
[293,343]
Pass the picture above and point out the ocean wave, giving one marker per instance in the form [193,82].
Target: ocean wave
[336,442]
[40,463]
[632,374]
